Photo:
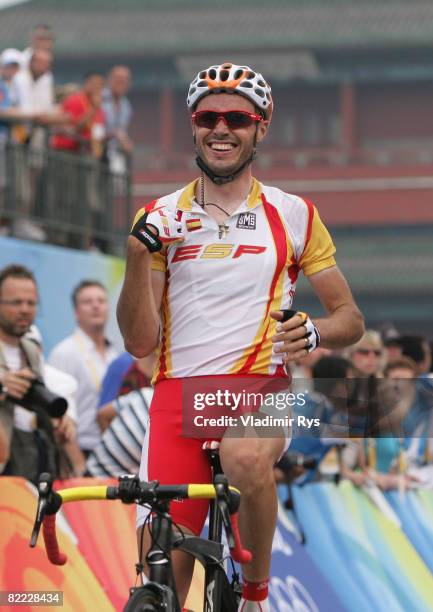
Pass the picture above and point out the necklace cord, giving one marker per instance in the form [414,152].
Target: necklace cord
[202,199]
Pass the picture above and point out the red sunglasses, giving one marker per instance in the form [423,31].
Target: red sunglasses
[234,119]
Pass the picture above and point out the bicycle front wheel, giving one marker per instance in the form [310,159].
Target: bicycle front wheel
[143,600]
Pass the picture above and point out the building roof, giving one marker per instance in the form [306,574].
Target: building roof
[155,27]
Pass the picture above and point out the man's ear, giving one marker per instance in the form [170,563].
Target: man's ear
[262,130]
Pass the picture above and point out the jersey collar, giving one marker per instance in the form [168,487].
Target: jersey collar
[187,197]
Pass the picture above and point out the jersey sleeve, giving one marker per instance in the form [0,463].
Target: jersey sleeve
[319,249]
[159,259]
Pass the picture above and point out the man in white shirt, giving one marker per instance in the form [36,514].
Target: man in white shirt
[33,86]
[86,354]
[33,93]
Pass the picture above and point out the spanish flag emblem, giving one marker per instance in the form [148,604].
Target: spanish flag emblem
[193,224]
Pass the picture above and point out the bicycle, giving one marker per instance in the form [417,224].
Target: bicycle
[160,592]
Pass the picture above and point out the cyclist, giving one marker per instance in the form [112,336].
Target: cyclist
[209,290]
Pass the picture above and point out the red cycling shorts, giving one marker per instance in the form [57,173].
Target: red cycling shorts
[171,458]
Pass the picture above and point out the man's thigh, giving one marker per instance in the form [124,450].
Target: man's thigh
[171,458]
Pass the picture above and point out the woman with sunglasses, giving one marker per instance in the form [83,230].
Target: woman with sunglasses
[368,355]
[210,278]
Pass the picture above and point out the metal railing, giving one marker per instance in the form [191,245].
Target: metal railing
[68,199]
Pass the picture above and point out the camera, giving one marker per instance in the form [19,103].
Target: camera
[39,397]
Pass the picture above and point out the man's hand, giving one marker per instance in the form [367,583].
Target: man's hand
[296,336]
[65,429]
[16,384]
[158,228]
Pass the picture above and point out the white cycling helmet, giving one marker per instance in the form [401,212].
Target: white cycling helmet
[230,78]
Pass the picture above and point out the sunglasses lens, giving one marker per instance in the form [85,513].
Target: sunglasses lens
[234,119]
[238,120]
[206,119]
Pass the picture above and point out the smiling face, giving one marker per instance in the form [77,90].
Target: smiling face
[224,150]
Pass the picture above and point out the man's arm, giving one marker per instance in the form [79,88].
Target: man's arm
[343,325]
[138,309]
[4,445]
[105,415]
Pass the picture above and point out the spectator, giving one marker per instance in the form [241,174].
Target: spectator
[71,459]
[42,38]
[125,374]
[112,381]
[418,349]
[118,114]
[137,377]
[396,395]
[33,89]
[367,355]
[392,349]
[27,438]
[379,461]
[34,95]
[302,370]
[119,450]
[86,354]
[383,459]
[10,63]
[400,368]
[57,381]
[328,402]
[87,119]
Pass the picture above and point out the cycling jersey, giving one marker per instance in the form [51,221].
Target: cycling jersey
[224,279]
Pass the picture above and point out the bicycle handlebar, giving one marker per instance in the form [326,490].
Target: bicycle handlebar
[132,490]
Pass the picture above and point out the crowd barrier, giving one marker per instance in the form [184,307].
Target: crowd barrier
[75,199]
[338,553]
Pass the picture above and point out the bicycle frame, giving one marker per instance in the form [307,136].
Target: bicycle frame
[219,594]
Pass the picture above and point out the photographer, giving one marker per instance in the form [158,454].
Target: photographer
[27,437]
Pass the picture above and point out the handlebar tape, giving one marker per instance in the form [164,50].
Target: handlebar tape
[50,538]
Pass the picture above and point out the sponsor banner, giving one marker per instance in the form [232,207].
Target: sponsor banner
[296,582]
[416,517]
[364,556]
[25,569]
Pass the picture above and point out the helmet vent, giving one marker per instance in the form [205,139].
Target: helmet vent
[212,74]
[202,74]
[227,66]
[238,74]
[202,84]
[247,84]
[224,75]
[251,75]
[259,92]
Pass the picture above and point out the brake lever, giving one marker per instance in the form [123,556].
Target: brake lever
[45,489]
[228,505]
